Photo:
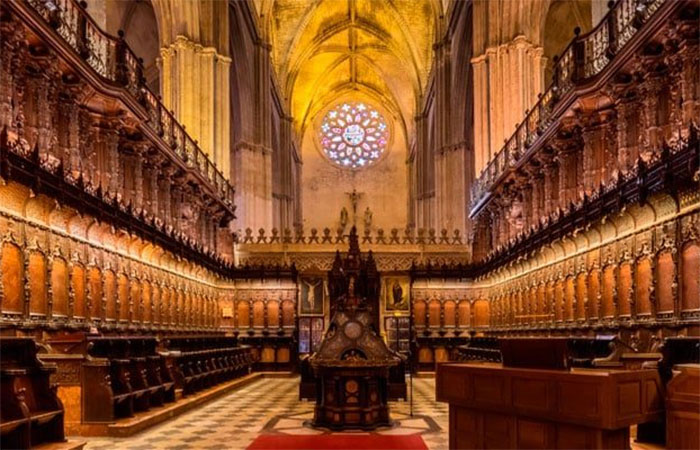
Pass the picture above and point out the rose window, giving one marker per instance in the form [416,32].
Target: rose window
[353,135]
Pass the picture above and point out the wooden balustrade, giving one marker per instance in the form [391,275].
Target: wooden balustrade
[584,59]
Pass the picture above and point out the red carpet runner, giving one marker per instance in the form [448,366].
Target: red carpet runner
[338,442]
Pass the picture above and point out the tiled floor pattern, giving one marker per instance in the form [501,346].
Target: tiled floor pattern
[271,405]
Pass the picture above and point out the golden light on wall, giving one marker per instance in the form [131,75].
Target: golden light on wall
[322,50]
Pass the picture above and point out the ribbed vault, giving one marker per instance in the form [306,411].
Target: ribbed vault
[326,49]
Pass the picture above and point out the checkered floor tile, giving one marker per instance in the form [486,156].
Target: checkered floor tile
[272,405]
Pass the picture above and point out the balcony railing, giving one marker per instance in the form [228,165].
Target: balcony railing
[112,59]
[584,58]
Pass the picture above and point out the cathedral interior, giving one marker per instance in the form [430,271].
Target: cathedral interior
[366,224]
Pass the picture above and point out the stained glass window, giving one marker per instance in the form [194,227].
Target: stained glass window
[353,135]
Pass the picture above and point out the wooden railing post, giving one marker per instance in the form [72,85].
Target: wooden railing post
[579,57]
[81,32]
[120,71]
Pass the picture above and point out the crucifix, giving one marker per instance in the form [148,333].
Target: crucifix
[354,198]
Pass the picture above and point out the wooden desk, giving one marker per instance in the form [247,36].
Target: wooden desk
[492,406]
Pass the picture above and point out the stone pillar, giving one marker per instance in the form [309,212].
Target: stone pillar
[507,81]
[204,111]
[252,168]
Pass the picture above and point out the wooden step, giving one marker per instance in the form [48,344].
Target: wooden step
[132,425]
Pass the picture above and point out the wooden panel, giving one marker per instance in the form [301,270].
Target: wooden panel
[569,294]
[156,299]
[110,295]
[573,437]
[267,355]
[629,399]
[288,314]
[550,299]
[425,355]
[59,287]
[481,313]
[624,290]
[243,314]
[441,354]
[581,293]
[464,423]
[166,302]
[135,299]
[531,394]
[593,292]
[123,293]
[147,300]
[664,287]
[691,278]
[419,313]
[540,305]
[534,434]
[450,314]
[11,269]
[463,313]
[559,301]
[258,314]
[498,431]
[95,287]
[273,320]
[434,312]
[643,287]
[579,399]
[78,286]
[608,295]
[37,284]
[489,389]
[283,355]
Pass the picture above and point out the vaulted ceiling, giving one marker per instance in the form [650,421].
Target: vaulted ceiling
[323,50]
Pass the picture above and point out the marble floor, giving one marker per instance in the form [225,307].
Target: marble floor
[271,405]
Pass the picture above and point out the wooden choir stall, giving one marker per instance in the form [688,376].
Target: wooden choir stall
[31,412]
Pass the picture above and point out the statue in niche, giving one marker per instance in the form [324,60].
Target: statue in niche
[368,218]
[343,217]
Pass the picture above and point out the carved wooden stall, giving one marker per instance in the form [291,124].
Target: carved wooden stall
[615,250]
[30,412]
[199,362]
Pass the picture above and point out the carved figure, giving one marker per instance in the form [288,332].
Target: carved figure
[343,217]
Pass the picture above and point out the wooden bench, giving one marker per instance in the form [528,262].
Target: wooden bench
[480,349]
[200,362]
[123,375]
[30,412]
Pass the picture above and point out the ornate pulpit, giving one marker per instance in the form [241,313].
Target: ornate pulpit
[352,364]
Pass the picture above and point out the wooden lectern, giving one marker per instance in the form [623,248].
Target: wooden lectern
[492,406]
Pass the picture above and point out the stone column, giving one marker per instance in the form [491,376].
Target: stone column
[507,80]
[204,111]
